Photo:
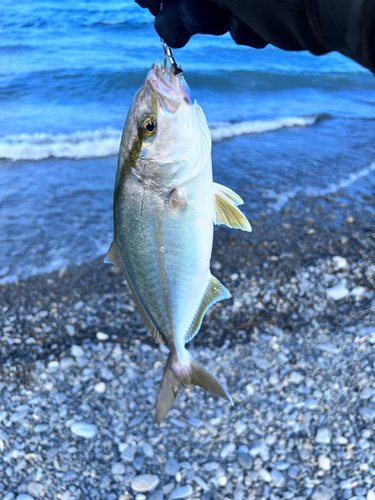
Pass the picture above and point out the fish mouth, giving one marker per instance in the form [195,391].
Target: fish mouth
[166,86]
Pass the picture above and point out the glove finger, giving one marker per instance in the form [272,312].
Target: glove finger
[146,4]
[170,27]
[155,7]
[243,35]
[202,16]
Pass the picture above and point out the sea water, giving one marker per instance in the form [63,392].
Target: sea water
[282,123]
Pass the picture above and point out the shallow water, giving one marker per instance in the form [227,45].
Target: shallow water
[282,123]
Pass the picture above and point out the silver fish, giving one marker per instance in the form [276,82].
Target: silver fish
[165,204]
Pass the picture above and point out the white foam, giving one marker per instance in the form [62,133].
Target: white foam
[105,142]
[78,145]
[227,130]
[283,198]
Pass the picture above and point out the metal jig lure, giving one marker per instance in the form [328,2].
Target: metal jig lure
[167,51]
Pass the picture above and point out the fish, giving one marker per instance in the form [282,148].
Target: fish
[165,205]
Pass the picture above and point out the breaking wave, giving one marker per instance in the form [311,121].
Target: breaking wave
[78,145]
[105,142]
[226,130]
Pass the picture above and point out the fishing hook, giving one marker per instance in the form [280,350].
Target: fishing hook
[167,51]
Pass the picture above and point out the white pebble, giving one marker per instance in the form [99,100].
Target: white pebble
[77,351]
[323,436]
[66,363]
[338,292]
[222,481]
[296,378]
[340,262]
[84,430]
[102,336]
[240,427]
[100,387]
[70,329]
[265,475]
[53,366]
[324,462]
[145,482]
[358,292]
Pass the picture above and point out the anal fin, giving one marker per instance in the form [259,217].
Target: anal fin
[214,293]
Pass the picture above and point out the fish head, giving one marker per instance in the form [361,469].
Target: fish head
[166,139]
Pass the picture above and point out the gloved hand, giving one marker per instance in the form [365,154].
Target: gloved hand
[320,26]
[176,21]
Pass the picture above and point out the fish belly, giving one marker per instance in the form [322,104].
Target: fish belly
[166,253]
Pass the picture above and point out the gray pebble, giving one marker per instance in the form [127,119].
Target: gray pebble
[181,492]
[280,465]
[129,453]
[277,478]
[69,476]
[259,449]
[35,489]
[261,363]
[171,466]
[328,347]
[227,450]
[367,412]
[245,460]
[323,493]
[195,422]
[367,393]
[296,378]
[66,363]
[294,471]
[240,427]
[70,329]
[157,495]
[201,483]
[148,450]
[264,475]
[118,468]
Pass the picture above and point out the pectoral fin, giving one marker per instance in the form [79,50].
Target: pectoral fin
[214,292]
[226,211]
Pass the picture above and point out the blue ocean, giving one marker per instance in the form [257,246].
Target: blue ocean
[283,124]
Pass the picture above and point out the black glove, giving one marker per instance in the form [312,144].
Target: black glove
[319,26]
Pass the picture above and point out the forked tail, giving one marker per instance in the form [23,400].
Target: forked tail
[177,377]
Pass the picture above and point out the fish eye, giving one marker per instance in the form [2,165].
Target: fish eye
[149,126]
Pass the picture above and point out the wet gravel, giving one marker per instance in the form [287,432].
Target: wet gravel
[295,346]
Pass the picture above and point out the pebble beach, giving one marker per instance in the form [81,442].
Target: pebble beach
[295,346]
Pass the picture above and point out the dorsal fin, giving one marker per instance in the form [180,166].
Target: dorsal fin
[226,211]
[114,257]
[215,291]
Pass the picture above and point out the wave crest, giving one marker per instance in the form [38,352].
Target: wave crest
[105,142]
[226,130]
